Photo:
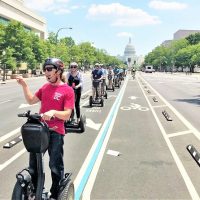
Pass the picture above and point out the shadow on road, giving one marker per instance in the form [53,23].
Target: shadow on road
[195,100]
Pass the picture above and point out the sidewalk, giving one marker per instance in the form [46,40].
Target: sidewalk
[32,77]
[12,80]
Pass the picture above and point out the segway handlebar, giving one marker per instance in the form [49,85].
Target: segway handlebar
[28,114]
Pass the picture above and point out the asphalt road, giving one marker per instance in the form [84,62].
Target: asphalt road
[129,150]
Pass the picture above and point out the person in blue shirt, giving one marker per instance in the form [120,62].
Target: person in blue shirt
[116,71]
[116,77]
[97,76]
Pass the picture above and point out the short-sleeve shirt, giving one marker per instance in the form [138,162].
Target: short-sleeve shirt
[55,98]
[75,79]
[97,74]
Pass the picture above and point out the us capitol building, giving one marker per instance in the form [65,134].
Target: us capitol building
[129,54]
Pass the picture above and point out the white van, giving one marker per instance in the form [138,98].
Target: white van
[149,69]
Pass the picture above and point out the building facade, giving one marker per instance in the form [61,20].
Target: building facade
[15,10]
[180,34]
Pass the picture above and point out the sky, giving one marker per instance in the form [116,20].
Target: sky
[108,24]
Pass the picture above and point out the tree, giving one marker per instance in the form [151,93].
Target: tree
[193,38]
[68,41]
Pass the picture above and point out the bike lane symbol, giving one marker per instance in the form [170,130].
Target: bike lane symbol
[134,106]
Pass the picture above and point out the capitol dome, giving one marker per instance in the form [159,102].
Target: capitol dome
[129,49]
[129,54]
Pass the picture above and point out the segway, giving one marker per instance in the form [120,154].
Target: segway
[103,91]
[116,81]
[110,85]
[71,125]
[98,99]
[35,135]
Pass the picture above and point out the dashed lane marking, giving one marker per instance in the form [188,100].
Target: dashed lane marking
[5,101]
[5,164]
[179,133]
[193,193]
[6,136]
[159,106]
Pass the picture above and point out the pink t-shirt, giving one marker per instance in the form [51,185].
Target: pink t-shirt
[56,98]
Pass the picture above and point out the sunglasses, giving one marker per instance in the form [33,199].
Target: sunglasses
[73,66]
[49,69]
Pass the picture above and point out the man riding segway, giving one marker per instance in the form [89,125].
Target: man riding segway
[57,102]
[74,79]
[97,76]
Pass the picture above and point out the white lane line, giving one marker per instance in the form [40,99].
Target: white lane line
[186,178]
[6,136]
[5,101]
[151,95]
[159,106]
[86,92]
[5,164]
[91,179]
[179,133]
[186,122]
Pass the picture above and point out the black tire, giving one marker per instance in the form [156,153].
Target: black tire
[106,95]
[102,103]
[106,87]
[18,192]
[82,125]
[90,101]
[67,192]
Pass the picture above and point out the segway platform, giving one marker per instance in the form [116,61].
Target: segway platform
[72,126]
[96,101]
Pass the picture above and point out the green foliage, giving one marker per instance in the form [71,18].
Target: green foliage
[193,38]
[180,53]
[68,41]
[21,45]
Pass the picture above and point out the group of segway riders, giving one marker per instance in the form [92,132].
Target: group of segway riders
[56,116]
[103,79]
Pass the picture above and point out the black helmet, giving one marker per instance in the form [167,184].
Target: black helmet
[57,63]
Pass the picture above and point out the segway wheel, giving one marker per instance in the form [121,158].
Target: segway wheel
[106,87]
[67,192]
[113,88]
[102,103]
[82,124]
[90,101]
[106,95]
[18,192]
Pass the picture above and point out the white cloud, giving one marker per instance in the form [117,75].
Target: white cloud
[74,7]
[55,6]
[163,5]
[124,34]
[40,5]
[120,15]
[61,11]
[61,1]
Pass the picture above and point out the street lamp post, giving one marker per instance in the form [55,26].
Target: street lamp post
[57,35]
